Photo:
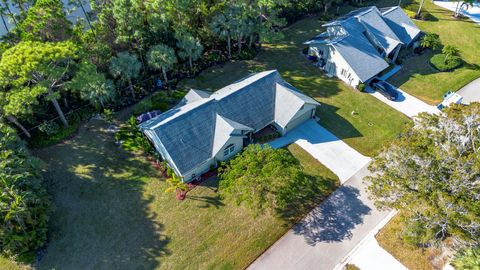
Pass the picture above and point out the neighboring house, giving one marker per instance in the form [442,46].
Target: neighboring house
[358,46]
[207,128]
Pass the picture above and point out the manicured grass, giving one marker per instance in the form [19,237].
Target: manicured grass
[390,239]
[112,212]
[373,124]
[418,78]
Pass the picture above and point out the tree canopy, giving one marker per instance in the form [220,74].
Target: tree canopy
[431,173]
[262,178]
[30,70]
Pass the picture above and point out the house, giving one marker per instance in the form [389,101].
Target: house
[207,128]
[358,46]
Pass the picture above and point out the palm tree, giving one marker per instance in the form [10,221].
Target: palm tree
[127,67]
[420,8]
[190,47]
[461,5]
[449,51]
[222,26]
[162,57]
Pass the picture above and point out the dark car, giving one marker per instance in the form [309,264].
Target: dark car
[384,88]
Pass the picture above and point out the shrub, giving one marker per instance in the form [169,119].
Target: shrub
[467,259]
[133,139]
[361,87]
[431,41]
[41,139]
[158,101]
[443,63]
[245,54]
[108,115]
[177,95]
[24,202]
[49,127]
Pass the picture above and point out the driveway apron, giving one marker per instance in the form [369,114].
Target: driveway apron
[329,150]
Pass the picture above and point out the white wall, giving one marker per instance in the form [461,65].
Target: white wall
[348,76]
[335,63]
[237,141]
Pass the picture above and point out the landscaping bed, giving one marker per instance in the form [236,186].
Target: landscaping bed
[444,63]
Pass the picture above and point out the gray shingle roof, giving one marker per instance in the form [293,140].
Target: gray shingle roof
[401,24]
[365,61]
[352,34]
[192,133]
[375,24]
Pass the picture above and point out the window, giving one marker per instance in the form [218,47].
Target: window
[344,72]
[229,150]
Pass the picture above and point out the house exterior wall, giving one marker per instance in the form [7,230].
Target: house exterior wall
[342,69]
[301,116]
[205,167]
[335,64]
[199,170]
[237,141]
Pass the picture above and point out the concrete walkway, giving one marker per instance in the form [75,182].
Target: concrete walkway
[472,12]
[329,150]
[329,233]
[373,257]
[471,92]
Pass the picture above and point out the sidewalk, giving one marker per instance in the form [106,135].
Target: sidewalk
[329,233]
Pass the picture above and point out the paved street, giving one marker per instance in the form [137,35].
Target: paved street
[329,150]
[328,233]
[471,91]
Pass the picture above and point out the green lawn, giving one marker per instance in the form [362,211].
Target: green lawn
[390,239]
[112,213]
[367,130]
[418,78]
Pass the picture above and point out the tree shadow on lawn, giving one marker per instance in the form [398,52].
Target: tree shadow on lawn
[335,123]
[414,65]
[102,218]
[335,218]
[308,196]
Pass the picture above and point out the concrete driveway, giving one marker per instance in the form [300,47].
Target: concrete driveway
[471,92]
[405,103]
[329,233]
[329,150]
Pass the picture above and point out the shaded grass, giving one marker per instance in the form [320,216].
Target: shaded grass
[418,78]
[391,240]
[112,212]
[373,123]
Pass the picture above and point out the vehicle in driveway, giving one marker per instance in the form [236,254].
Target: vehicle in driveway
[384,88]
